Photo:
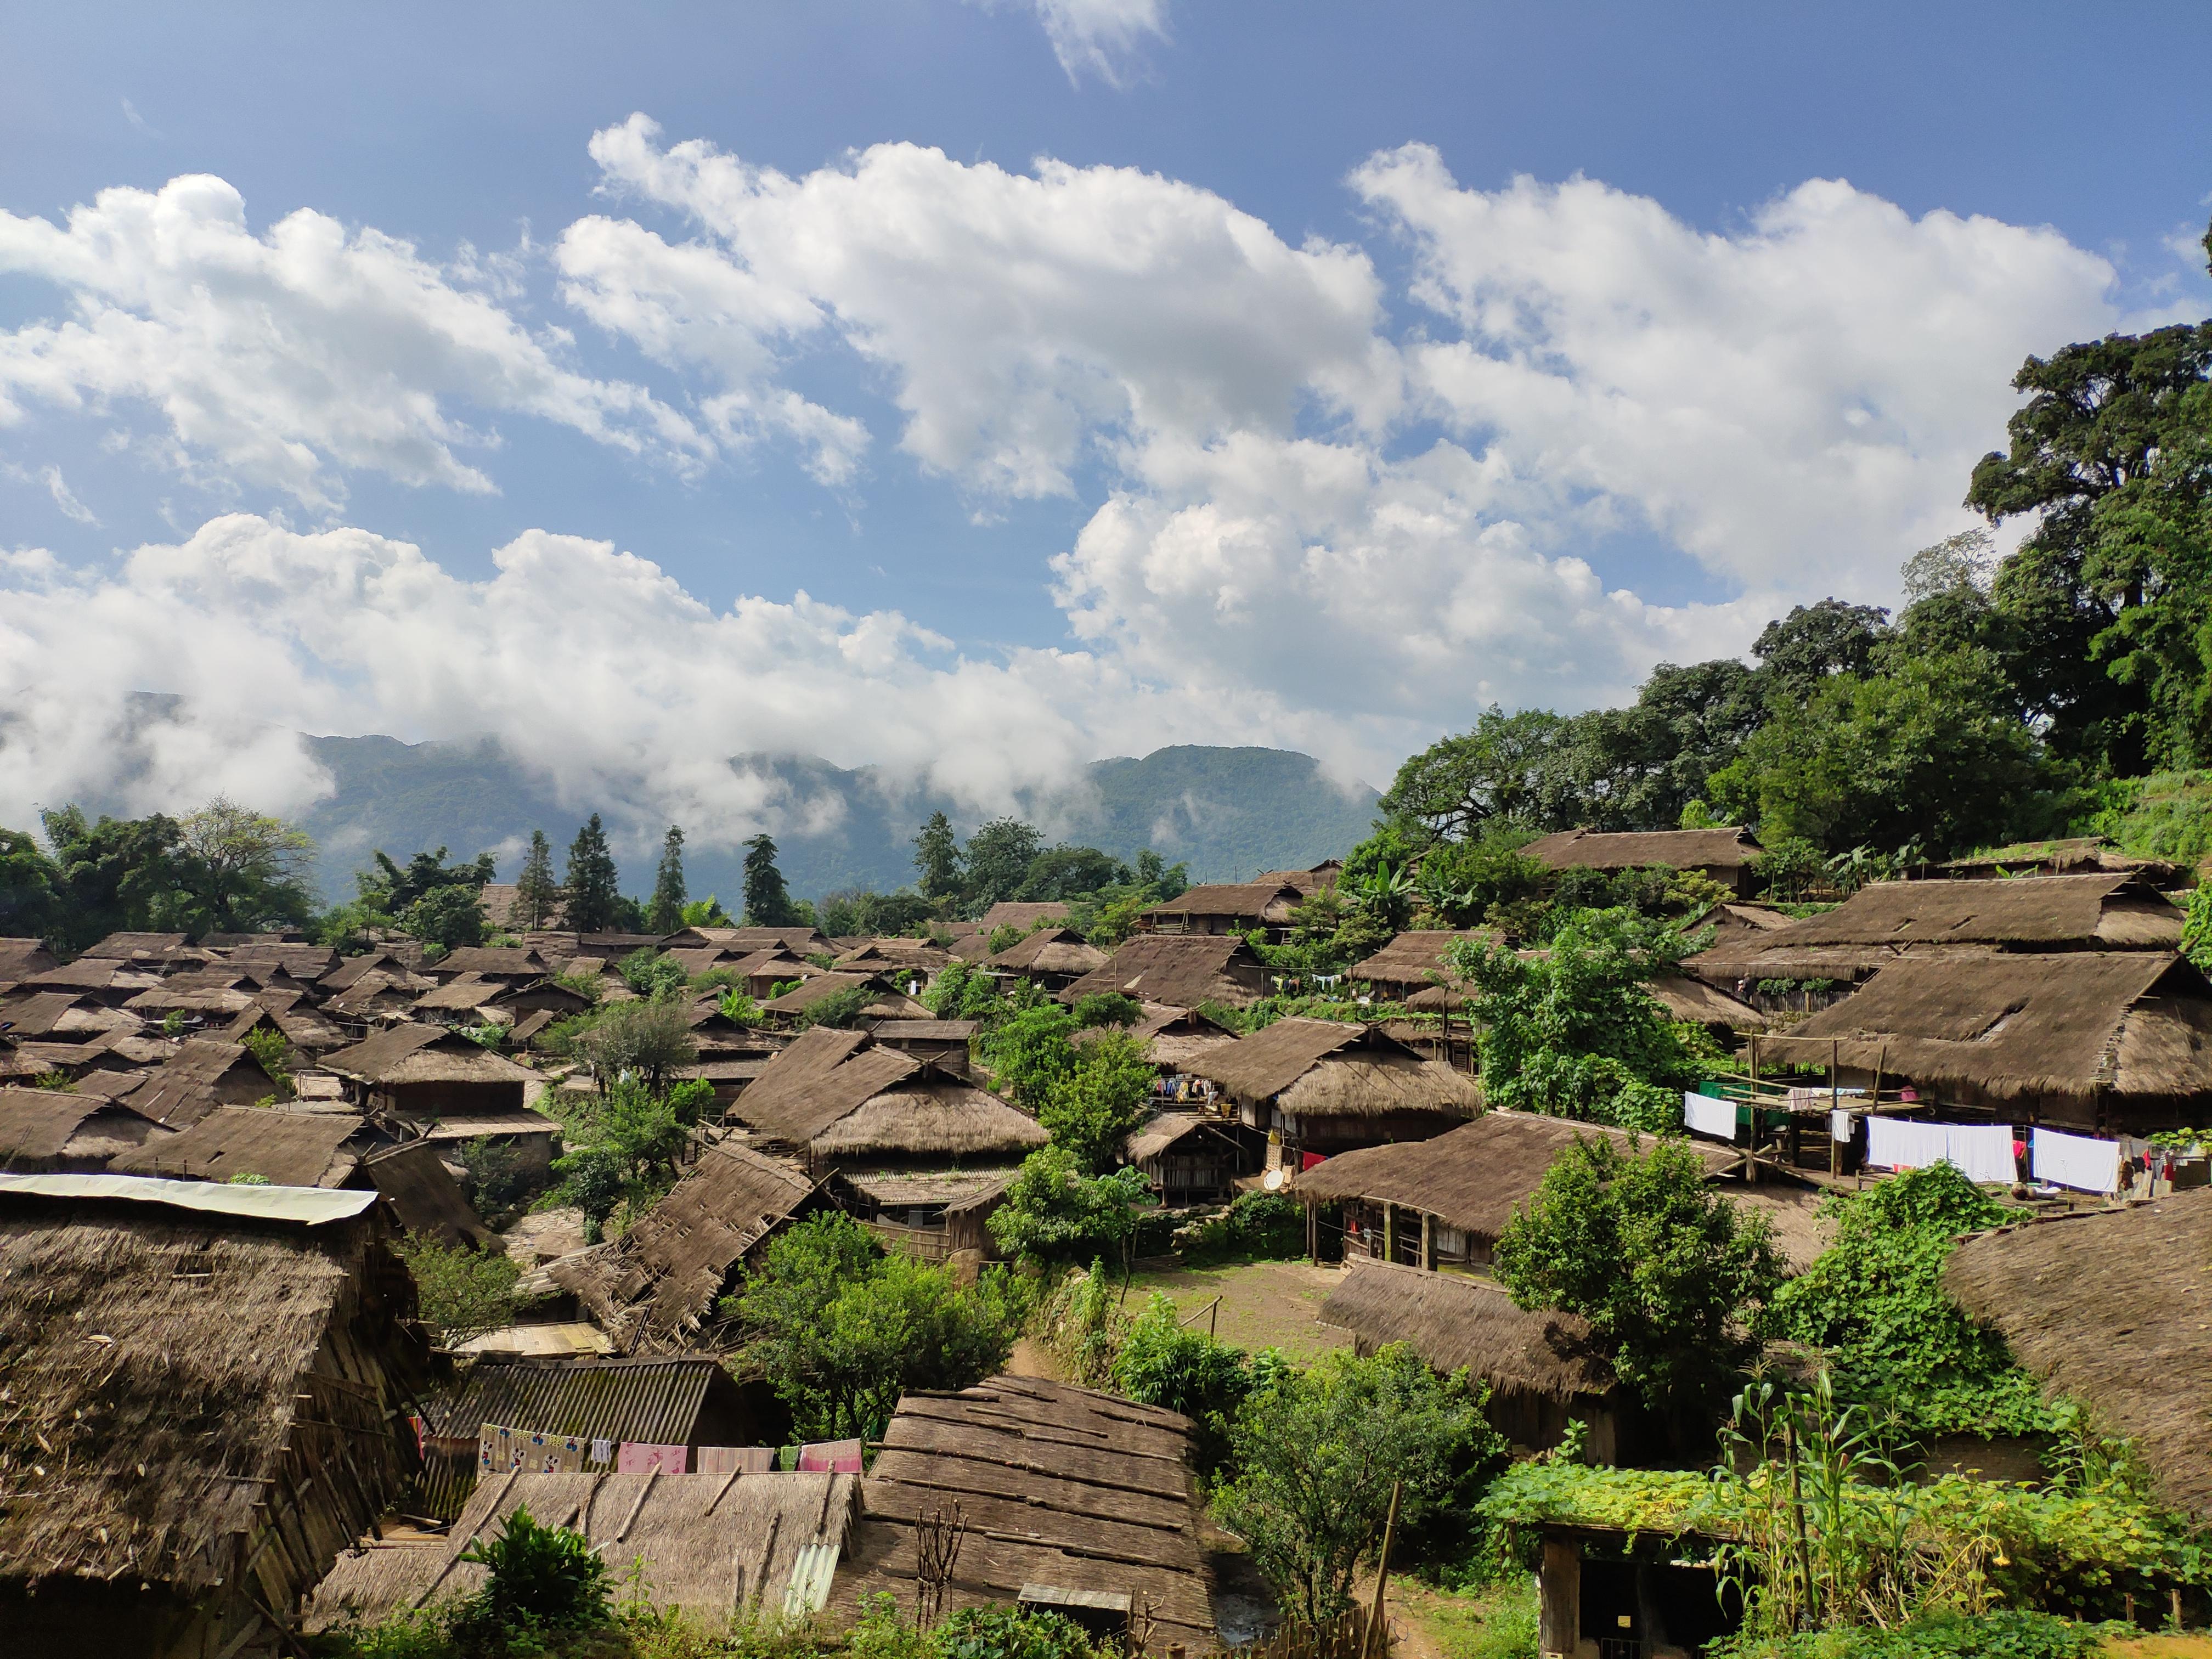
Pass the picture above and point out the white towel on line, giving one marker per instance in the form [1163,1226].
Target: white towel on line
[2080,1162]
[1982,1151]
[1703,1115]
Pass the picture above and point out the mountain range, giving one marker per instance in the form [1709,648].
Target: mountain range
[1228,813]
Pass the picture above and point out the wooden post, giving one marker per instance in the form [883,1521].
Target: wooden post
[1559,1590]
[1428,1242]
[1367,1646]
[1835,1103]
[1313,1232]
[1389,1230]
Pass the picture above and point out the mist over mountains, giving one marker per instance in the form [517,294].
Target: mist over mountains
[1228,812]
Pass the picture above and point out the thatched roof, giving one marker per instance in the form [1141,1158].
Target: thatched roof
[349,969]
[1891,920]
[2012,1026]
[141,947]
[825,1075]
[21,957]
[1058,1486]
[664,1275]
[413,1179]
[186,1087]
[1693,1002]
[894,955]
[414,1053]
[166,1346]
[1335,1068]
[47,1128]
[956,1189]
[1051,950]
[2068,855]
[1454,1323]
[290,1148]
[1164,1129]
[1473,1178]
[2113,1307]
[1311,880]
[1011,913]
[1417,958]
[501,962]
[928,1033]
[800,941]
[464,995]
[1678,849]
[1181,969]
[929,1116]
[817,989]
[714,1545]
[1253,901]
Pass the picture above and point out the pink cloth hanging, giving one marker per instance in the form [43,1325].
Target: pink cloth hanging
[831,1457]
[640,1457]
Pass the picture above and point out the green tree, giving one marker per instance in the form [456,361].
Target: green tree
[652,975]
[1496,771]
[537,894]
[841,1010]
[536,1579]
[844,1330]
[1800,653]
[1067,873]
[116,873]
[1572,1031]
[1317,1451]
[30,900]
[449,917]
[665,914]
[392,890]
[937,857]
[1163,1362]
[460,1292]
[768,901]
[645,1039]
[1029,1052]
[1054,1212]
[998,858]
[592,885]
[1874,1301]
[1092,1109]
[1670,1276]
[244,869]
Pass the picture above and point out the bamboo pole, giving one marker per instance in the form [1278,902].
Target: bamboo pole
[1381,1574]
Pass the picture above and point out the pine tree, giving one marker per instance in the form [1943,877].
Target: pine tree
[666,916]
[594,893]
[768,901]
[937,856]
[535,892]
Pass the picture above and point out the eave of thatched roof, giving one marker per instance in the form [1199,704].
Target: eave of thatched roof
[1678,849]
[1179,969]
[2113,1307]
[1051,950]
[714,1543]
[2117,911]
[1693,1002]
[929,1115]
[1417,958]
[289,1148]
[1472,1177]
[1058,1486]
[1332,1068]
[2013,1026]
[1453,1323]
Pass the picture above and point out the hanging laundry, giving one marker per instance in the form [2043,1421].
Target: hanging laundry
[1982,1151]
[1704,1114]
[724,1460]
[639,1457]
[2082,1162]
[603,1451]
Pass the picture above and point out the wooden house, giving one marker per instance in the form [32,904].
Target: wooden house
[651,1289]
[1226,908]
[2111,1307]
[1181,971]
[1053,957]
[1726,854]
[1414,960]
[1189,1157]
[1313,1088]
[1072,1498]
[208,1392]
[716,1547]
[2101,1040]
[940,1215]
[448,1088]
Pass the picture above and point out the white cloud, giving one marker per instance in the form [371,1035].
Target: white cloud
[280,359]
[51,475]
[1101,36]
[1799,402]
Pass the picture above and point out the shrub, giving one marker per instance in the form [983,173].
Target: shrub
[1162,1362]
[537,1577]
[1107,1008]
[461,1292]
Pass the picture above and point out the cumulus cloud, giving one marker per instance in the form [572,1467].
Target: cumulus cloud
[283,358]
[1800,398]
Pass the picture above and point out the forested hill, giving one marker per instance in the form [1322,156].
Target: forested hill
[1226,812]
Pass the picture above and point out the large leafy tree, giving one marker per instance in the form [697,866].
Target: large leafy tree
[937,857]
[1670,1276]
[768,901]
[243,869]
[666,914]
[593,887]
[1054,1213]
[1317,1451]
[1495,771]
[1804,650]
[116,873]
[844,1330]
[29,887]
[1092,1108]
[1068,872]
[390,888]
[999,855]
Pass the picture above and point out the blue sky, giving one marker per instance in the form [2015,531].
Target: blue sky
[1332,441]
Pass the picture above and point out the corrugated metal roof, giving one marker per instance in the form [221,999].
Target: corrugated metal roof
[311,1204]
[652,1400]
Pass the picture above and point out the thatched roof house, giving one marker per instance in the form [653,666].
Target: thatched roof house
[1061,1488]
[1224,907]
[651,1288]
[1311,879]
[799,941]
[904,958]
[2104,1039]
[2113,1307]
[837,1099]
[1888,920]
[146,947]
[2066,856]
[1544,1368]
[65,1132]
[1725,854]
[1414,960]
[1172,1037]
[508,963]
[1179,970]
[64,1016]
[1020,912]
[20,957]
[1694,1002]
[418,1070]
[1053,956]
[207,1392]
[1460,1189]
[292,1147]
[936,1214]
[884,1002]
[716,1546]
[1329,1085]
[672,1399]
[204,1073]
[1189,1157]
[1737,923]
